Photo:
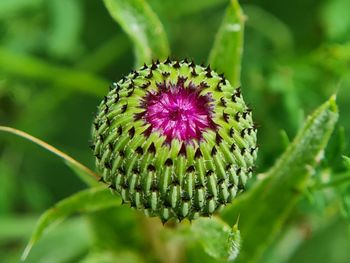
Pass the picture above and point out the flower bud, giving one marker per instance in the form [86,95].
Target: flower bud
[175,140]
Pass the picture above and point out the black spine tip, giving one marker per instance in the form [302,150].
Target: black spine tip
[203,85]
[121,153]
[152,148]
[117,97]
[238,92]
[237,116]
[167,61]
[176,64]
[120,130]
[190,169]
[194,73]
[154,66]
[110,146]
[108,165]
[150,74]
[223,102]
[208,72]
[111,186]
[165,74]
[232,131]
[198,153]
[218,138]
[131,132]
[168,162]
[182,150]
[226,116]
[139,150]
[124,107]
[214,151]
[209,173]
[136,74]
[145,85]
[108,122]
[151,168]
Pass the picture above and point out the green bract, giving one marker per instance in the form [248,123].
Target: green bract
[165,171]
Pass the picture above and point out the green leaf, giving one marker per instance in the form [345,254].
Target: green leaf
[9,7]
[26,66]
[15,227]
[107,256]
[226,54]
[66,19]
[269,26]
[143,27]
[66,243]
[266,206]
[85,201]
[336,21]
[105,55]
[191,7]
[345,199]
[218,239]
[347,162]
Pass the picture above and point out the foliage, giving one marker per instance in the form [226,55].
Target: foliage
[57,58]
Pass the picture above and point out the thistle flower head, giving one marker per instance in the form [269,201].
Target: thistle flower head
[178,111]
[175,140]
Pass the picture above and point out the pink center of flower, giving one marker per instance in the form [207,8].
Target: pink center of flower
[177,112]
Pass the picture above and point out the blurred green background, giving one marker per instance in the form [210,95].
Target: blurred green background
[57,58]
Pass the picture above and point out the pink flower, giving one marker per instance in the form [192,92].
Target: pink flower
[177,111]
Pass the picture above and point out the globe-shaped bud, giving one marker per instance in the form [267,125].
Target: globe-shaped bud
[175,140]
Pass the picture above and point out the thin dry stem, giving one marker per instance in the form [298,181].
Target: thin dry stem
[51,149]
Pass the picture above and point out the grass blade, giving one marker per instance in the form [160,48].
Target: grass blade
[143,27]
[26,66]
[84,173]
[89,200]
[226,54]
[265,207]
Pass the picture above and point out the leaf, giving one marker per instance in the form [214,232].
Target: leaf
[336,21]
[189,8]
[84,173]
[66,19]
[217,238]
[85,201]
[143,27]
[278,32]
[266,206]
[15,227]
[66,243]
[107,256]
[226,54]
[347,162]
[345,199]
[105,55]
[9,7]
[26,66]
